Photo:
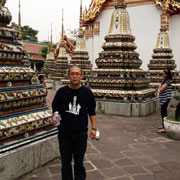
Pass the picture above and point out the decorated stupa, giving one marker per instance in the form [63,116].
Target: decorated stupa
[80,55]
[118,76]
[70,44]
[162,58]
[23,106]
[61,65]
[49,63]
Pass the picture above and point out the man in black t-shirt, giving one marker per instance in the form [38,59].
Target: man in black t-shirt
[74,103]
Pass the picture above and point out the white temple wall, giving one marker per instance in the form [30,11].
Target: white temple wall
[145,25]
[174,37]
[96,49]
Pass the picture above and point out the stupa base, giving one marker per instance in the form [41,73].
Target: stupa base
[135,109]
[57,84]
[49,83]
[25,156]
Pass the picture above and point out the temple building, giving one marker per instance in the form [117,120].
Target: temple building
[33,50]
[23,108]
[145,23]
[162,57]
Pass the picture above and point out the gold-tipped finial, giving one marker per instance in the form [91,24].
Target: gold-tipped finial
[80,21]
[19,23]
[120,4]
[164,17]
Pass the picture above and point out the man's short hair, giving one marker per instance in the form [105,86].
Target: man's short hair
[74,66]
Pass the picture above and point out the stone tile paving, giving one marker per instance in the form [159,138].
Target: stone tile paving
[129,149]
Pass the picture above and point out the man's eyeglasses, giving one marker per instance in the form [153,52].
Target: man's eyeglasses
[75,73]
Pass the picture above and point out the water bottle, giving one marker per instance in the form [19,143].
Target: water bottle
[97,135]
[57,118]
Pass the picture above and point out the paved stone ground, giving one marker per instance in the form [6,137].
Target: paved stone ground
[129,149]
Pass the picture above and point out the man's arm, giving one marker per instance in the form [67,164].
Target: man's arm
[55,106]
[93,125]
[92,114]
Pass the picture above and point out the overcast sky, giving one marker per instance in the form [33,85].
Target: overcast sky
[39,14]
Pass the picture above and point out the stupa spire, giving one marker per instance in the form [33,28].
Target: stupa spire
[164,18]
[19,23]
[48,42]
[120,19]
[62,42]
[80,55]
[80,43]
[61,65]
[163,37]
[62,31]
[51,49]
[81,21]
[62,50]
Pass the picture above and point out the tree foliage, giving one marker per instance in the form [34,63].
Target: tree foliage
[44,50]
[28,33]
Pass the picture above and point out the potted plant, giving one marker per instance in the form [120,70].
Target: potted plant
[172,124]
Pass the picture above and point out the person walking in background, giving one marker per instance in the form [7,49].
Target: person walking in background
[74,103]
[165,92]
[42,81]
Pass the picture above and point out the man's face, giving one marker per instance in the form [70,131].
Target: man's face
[75,76]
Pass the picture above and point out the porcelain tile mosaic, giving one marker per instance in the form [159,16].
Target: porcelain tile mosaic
[23,106]
[118,76]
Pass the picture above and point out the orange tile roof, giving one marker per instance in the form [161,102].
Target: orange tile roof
[34,48]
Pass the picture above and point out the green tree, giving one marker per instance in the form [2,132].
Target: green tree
[44,50]
[28,33]
[14,26]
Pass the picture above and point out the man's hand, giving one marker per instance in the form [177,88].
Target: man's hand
[93,134]
[53,121]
